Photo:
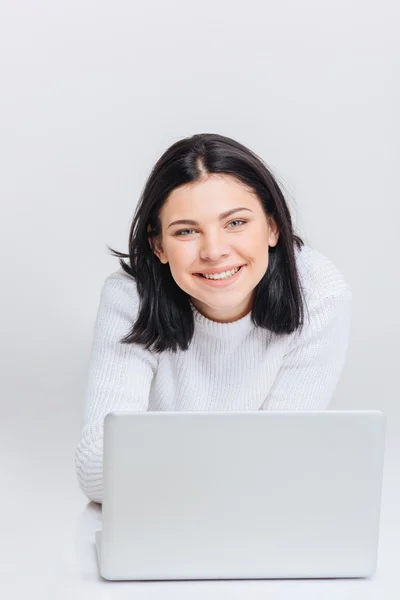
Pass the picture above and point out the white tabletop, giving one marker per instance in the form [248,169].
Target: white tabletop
[47,527]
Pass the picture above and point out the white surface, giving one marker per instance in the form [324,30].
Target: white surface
[217,495]
[48,529]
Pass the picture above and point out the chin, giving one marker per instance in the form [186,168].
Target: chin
[223,306]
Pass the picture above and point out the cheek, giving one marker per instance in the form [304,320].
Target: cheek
[181,259]
[260,257]
[182,255]
[255,247]
[260,241]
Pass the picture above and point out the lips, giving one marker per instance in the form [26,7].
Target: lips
[236,269]
[221,282]
[219,270]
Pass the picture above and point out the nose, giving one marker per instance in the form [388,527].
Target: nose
[214,246]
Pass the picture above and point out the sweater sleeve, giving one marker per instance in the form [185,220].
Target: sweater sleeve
[315,359]
[119,377]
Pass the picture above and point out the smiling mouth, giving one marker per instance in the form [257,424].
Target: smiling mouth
[213,277]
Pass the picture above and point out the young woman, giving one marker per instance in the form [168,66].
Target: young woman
[221,307]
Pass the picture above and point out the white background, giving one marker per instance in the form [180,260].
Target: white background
[91,94]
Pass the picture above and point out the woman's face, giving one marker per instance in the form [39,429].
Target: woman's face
[208,240]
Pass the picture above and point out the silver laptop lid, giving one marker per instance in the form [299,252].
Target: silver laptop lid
[191,495]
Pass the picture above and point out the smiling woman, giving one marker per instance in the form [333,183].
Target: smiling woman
[208,182]
[221,306]
[230,255]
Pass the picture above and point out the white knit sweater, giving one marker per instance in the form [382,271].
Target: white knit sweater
[228,366]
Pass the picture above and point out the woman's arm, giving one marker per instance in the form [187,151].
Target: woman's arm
[314,363]
[119,377]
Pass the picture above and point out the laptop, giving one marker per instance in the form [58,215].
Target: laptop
[241,495]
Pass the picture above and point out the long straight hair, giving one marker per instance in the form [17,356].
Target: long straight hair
[165,318]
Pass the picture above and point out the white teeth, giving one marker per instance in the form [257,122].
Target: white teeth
[222,275]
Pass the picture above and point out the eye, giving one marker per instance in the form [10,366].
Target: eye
[237,221]
[181,232]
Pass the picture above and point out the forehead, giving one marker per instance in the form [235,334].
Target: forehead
[210,196]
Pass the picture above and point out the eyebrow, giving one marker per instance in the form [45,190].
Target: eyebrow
[223,215]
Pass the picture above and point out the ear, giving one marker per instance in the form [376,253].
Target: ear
[273,232]
[156,246]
